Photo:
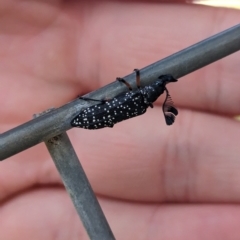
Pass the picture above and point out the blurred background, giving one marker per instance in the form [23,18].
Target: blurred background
[220,3]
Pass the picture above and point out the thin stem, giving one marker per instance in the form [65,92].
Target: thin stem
[178,64]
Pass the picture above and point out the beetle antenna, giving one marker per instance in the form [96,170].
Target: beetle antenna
[169,110]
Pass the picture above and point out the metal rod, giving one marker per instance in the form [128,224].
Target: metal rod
[78,187]
[178,64]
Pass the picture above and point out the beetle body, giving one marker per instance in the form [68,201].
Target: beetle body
[127,105]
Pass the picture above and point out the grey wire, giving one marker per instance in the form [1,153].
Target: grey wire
[78,187]
[178,64]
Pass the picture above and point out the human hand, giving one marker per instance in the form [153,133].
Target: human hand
[145,173]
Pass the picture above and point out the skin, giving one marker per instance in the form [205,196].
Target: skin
[153,181]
